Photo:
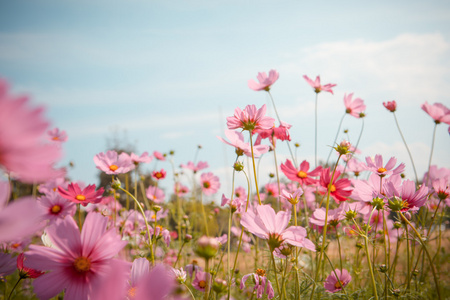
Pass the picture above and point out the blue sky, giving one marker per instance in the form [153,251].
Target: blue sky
[166,75]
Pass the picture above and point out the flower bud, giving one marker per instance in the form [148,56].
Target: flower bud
[395,204]
[187,238]
[359,245]
[207,247]
[156,208]
[382,268]
[397,225]
[378,203]
[350,214]
[116,184]
[238,166]
[219,285]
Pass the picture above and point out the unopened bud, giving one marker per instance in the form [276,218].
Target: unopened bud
[187,238]
[378,203]
[207,247]
[359,245]
[156,208]
[350,214]
[116,184]
[238,166]
[382,268]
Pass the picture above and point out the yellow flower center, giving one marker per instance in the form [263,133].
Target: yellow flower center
[302,174]
[206,184]
[202,284]
[260,272]
[82,264]
[338,284]
[332,188]
[113,167]
[55,138]
[80,197]
[132,292]
[56,209]
[381,170]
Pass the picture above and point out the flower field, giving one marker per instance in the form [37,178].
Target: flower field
[350,227]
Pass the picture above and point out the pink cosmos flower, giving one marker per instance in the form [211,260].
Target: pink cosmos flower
[57,136]
[112,163]
[300,175]
[7,264]
[334,217]
[51,185]
[376,166]
[272,189]
[262,284]
[340,188]
[275,133]
[250,119]
[354,107]
[317,86]
[412,199]
[77,261]
[180,190]
[21,218]
[83,197]
[155,194]
[56,207]
[356,166]
[195,168]
[237,141]
[159,156]
[442,188]
[25,272]
[159,175]
[156,284]
[22,130]
[434,174]
[200,280]
[264,81]
[390,105]
[334,284]
[439,112]
[210,183]
[272,227]
[144,158]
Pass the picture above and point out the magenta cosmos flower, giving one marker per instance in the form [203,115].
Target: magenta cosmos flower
[267,225]
[159,175]
[25,272]
[195,167]
[262,284]
[275,133]
[439,112]
[300,175]
[83,197]
[340,188]
[57,136]
[390,105]
[22,130]
[376,166]
[21,218]
[112,163]
[210,183]
[56,207]
[77,262]
[334,284]
[236,139]
[317,86]
[264,81]
[250,119]
[354,107]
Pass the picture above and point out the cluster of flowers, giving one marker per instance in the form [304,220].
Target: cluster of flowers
[115,252]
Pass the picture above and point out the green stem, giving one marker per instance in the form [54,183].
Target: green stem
[17,283]
[275,271]
[179,255]
[315,140]
[369,262]
[254,169]
[427,253]
[208,274]
[204,215]
[407,148]
[152,255]
[431,153]
[335,138]
[324,239]
[278,177]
